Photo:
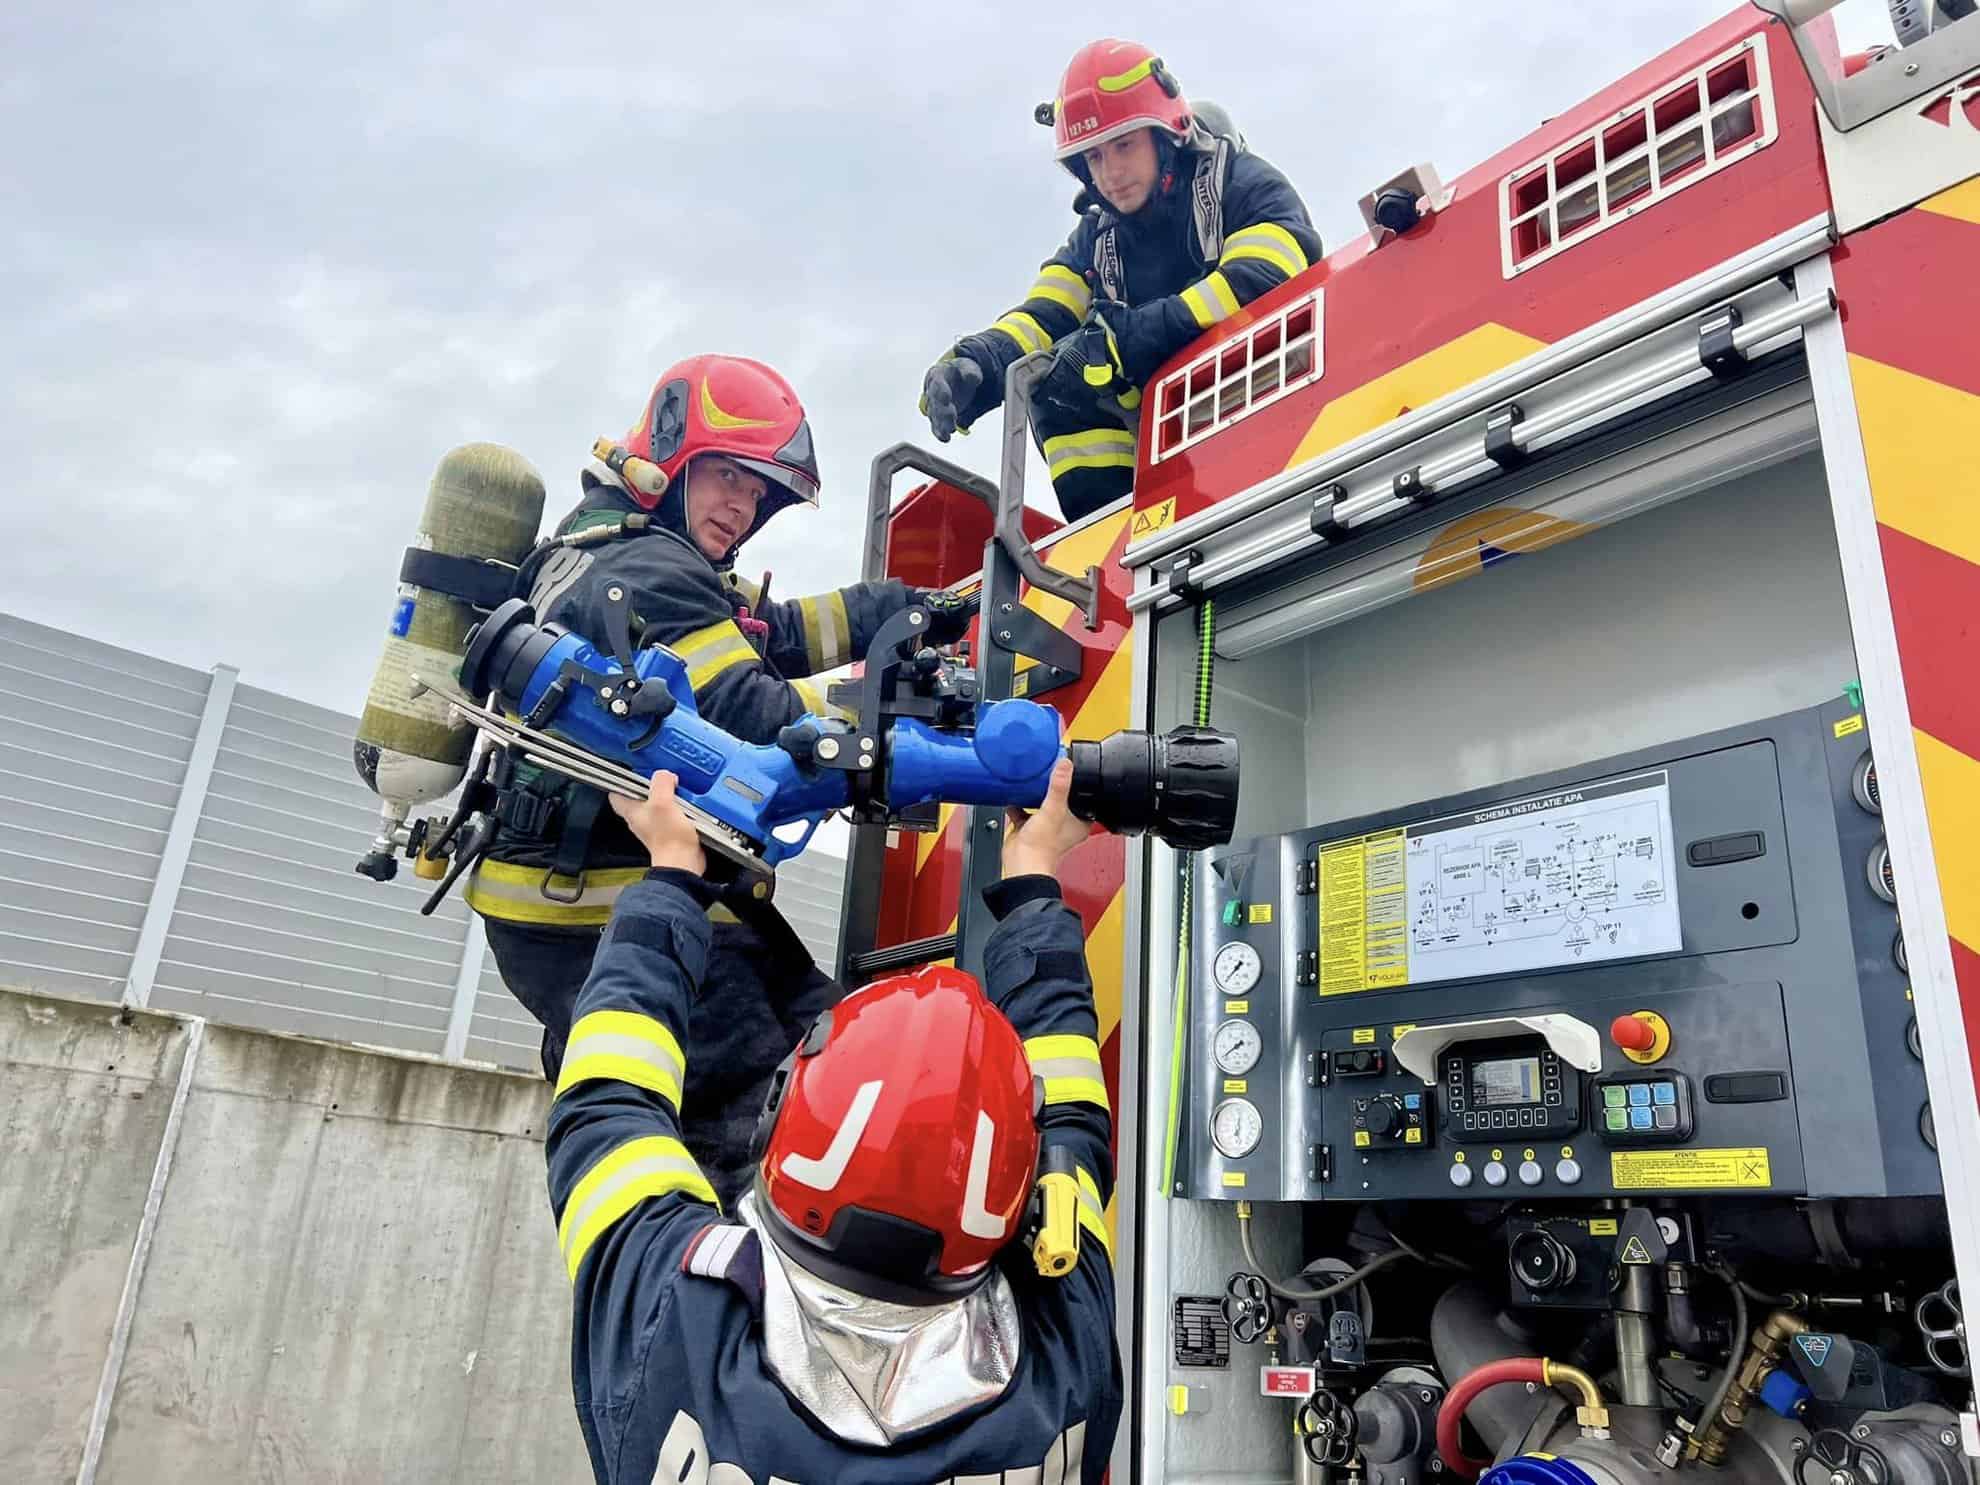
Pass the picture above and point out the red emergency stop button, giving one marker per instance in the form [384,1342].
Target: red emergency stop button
[1643,1036]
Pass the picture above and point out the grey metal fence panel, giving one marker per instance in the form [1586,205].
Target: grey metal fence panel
[96,745]
[268,926]
[272,927]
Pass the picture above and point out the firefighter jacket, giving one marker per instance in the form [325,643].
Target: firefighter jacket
[684,601]
[1222,228]
[669,1364]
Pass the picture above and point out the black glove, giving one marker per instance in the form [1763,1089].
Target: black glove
[949,387]
[949,615]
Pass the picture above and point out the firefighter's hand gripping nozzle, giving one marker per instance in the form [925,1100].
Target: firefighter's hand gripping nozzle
[612,718]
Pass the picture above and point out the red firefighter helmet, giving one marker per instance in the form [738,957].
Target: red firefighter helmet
[1109,88]
[732,406]
[899,1142]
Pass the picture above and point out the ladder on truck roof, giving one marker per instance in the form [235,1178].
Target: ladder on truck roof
[1005,630]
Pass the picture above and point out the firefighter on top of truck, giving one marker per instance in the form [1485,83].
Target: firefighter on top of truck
[1187,226]
[721,446]
[864,1313]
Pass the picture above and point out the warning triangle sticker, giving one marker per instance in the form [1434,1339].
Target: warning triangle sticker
[1633,1251]
[1815,1348]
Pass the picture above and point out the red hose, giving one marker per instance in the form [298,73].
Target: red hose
[1451,1414]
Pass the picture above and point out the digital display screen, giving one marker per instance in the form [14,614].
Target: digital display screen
[1505,1080]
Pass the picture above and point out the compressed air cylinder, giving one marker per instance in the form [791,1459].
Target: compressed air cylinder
[485,502]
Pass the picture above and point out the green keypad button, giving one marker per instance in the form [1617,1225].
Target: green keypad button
[1614,1097]
[1616,1118]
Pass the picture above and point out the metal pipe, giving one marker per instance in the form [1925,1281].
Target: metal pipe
[1279,540]
[154,1198]
[1020,381]
[1756,265]
[1636,1339]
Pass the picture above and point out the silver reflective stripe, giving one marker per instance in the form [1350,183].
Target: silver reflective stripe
[635,1170]
[612,1044]
[1069,1067]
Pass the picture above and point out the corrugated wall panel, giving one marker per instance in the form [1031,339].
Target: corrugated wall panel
[271,927]
[96,742]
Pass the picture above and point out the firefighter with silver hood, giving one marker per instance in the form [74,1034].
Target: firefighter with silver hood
[1180,225]
[864,1314]
[721,446]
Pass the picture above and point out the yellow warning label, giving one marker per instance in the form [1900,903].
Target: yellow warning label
[1235,1085]
[1261,912]
[1396,1031]
[1361,1139]
[1233,1178]
[1153,519]
[1364,908]
[1602,1227]
[1021,682]
[1237,1007]
[1849,724]
[1525,1154]
[1412,1136]
[1676,1170]
[1634,1252]
[1364,1035]
[1459,1157]
[1179,1400]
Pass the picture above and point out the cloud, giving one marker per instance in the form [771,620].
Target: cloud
[264,265]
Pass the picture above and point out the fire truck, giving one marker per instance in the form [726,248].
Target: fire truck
[1566,1071]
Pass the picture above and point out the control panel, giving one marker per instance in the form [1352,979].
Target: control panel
[1674,972]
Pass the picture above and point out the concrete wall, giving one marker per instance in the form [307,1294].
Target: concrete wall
[352,1275]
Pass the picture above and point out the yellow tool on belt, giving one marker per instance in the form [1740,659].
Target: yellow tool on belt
[1055,1214]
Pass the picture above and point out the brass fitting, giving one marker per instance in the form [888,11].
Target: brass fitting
[1591,1412]
[1715,1434]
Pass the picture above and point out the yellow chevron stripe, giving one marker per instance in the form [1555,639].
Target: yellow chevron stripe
[1918,438]
[924,846]
[1962,202]
[1952,805]
[1458,363]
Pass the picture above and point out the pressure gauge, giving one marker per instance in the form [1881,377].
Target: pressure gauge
[1235,1127]
[1236,968]
[1237,1047]
[1883,880]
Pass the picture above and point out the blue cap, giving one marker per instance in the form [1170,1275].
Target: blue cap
[1536,1469]
[1784,1392]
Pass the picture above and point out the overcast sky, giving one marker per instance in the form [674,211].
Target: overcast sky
[260,265]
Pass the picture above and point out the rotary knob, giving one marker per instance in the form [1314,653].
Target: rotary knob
[1384,1116]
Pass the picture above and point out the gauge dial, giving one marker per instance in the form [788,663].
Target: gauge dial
[1237,1047]
[1236,968]
[1235,1127]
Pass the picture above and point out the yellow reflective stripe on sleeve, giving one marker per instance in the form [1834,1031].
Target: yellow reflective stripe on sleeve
[812,697]
[1269,243]
[651,1166]
[1092,1212]
[827,631]
[1070,1066]
[710,651]
[1027,332]
[1120,82]
[624,1047]
[501,889]
[1093,448]
[1210,300]
[1060,285]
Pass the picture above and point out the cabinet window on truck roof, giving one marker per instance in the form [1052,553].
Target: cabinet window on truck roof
[1238,375]
[1690,128]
